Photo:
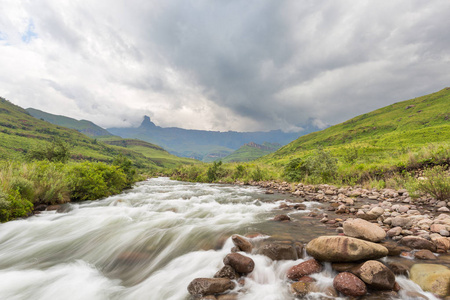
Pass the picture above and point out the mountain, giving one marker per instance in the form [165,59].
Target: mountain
[201,144]
[20,132]
[86,127]
[251,151]
[395,135]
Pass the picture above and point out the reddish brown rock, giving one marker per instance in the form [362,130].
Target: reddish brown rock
[279,252]
[349,285]
[242,243]
[240,263]
[424,254]
[226,272]
[305,268]
[417,242]
[209,286]
[280,218]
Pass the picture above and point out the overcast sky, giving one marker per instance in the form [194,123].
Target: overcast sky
[239,65]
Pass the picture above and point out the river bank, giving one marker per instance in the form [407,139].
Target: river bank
[413,236]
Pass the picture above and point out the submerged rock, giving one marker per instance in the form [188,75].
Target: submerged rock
[210,286]
[432,278]
[279,251]
[344,249]
[226,272]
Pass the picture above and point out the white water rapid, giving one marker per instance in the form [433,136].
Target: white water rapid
[147,243]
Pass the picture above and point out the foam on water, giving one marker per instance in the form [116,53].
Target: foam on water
[147,243]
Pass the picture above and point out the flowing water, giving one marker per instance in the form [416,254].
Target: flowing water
[148,243]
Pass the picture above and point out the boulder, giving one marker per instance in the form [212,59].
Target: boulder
[240,263]
[242,243]
[417,242]
[403,222]
[363,229]
[394,231]
[398,268]
[226,272]
[432,278]
[344,249]
[395,249]
[442,243]
[349,285]
[305,268]
[301,288]
[279,251]
[375,274]
[209,286]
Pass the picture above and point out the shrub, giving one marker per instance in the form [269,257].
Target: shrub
[214,171]
[12,206]
[257,174]
[127,167]
[23,186]
[436,183]
[295,170]
[239,172]
[90,181]
[50,184]
[57,151]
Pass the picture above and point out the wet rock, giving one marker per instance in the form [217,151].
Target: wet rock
[349,285]
[344,249]
[305,268]
[226,272]
[442,243]
[395,249]
[53,207]
[40,207]
[375,274]
[240,263]
[280,218]
[415,295]
[432,278]
[300,288]
[363,229]
[242,243]
[209,286]
[343,267]
[299,249]
[398,268]
[378,211]
[279,252]
[231,296]
[424,254]
[416,242]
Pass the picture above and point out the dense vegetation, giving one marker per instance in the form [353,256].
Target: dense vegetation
[385,148]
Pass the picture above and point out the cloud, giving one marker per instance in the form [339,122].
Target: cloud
[221,65]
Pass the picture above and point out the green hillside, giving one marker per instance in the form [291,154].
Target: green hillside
[251,151]
[20,133]
[86,127]
[399,135]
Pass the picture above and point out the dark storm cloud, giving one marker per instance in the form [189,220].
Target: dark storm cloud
[225,65]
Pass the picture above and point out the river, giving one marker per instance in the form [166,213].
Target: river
[148,243]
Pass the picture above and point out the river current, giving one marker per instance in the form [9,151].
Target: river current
[148,243]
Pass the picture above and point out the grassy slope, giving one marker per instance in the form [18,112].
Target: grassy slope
[86,127]
[20,132]
[249,152]
[382,138]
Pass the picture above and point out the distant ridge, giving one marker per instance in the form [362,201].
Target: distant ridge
[201,144]
[86,127]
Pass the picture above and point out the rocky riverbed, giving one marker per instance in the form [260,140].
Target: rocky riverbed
[379,239]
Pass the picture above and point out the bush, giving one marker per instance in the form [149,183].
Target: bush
[239,172]
[436,183]
[321,166]
[23,186]
[12,206]
[127,167]
[50,184]
[214,171]
[90,181]
[57,151]
[257,175]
